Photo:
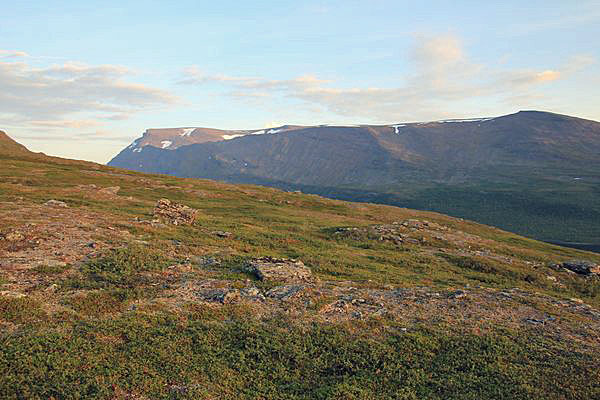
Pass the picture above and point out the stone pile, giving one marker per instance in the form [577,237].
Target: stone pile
[174,213]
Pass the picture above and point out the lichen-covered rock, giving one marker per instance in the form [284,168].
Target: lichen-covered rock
[218,295]
[174,213]
[581,267]
[285,292]
[280,270]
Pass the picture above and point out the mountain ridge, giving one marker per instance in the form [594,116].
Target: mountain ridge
[533,172]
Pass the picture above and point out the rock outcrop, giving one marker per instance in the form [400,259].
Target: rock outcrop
[174,213]
[280,270]
[581,267]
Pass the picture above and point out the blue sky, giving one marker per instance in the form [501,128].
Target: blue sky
[82,79]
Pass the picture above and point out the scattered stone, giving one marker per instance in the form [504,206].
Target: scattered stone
[51,263]
[382,311]
[457,294]
[279,270]
[551,278]
[56,203]
[285,292]
[205,261]
[576,300]
[357,315]
[252,293]
[174,213]
[222,234]
[15,295]
[15,236]
[581,267]
[112,190]
[223,296]
[541,321]
[52,288]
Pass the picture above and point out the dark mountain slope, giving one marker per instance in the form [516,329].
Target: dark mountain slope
[532,172]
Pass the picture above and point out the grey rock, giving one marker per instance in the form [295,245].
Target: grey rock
[457,294]
[56,203]
[581,267]
[279,270]
[205,261]
[285,292]
[222,234]
[223,296]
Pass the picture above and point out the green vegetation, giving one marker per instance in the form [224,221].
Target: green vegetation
[122,266]
[163,357]
[20,309]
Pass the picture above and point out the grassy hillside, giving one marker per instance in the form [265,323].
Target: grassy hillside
[100,299]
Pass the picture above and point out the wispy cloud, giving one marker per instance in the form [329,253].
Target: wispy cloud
[443,76]
[71,95]
[12,54]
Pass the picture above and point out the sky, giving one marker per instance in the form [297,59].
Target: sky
[82,79]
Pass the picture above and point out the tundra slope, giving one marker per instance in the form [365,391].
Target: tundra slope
[103,296]
[534,173]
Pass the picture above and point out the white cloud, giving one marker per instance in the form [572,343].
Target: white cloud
[71,95]
[65,123]
[444,77]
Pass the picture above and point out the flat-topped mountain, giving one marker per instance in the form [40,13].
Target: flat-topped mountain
[531,172]
[172,138]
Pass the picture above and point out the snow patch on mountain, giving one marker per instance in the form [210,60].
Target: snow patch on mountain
[396,127]
[166,143]
[229,137]
[134,144]
[186,131]
[444,121]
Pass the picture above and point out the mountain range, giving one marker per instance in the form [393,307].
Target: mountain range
[531,172]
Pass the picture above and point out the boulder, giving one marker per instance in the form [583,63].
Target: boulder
[280,270]
[174,213]
[581,267]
